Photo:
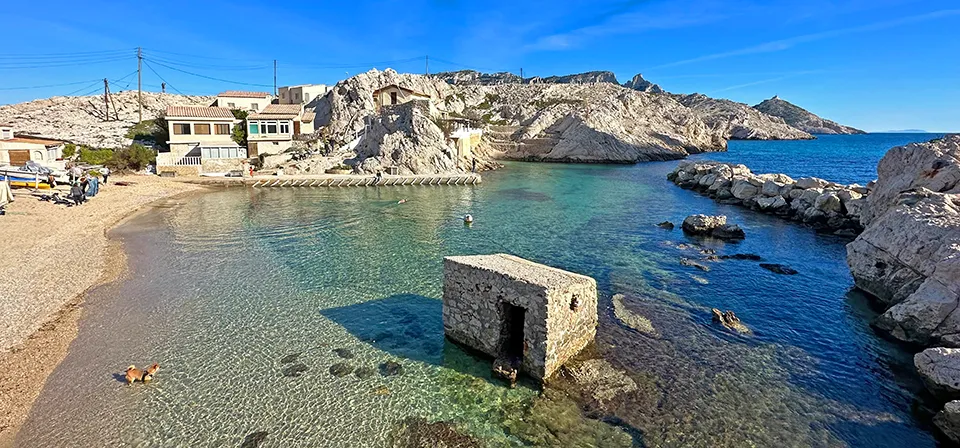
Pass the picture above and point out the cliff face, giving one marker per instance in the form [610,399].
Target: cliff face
[642,85]
[473,77]
[596,122]
[80,119]
[802,119]
[740,122]
[909,254]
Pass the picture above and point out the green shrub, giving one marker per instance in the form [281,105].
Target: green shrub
[239,134]
[95,156]
[69,150]
[145,130]
[161,131]
[134,157]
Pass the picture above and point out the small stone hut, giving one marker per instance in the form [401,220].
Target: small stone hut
[511,308]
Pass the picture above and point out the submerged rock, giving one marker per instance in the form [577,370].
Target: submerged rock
[506,370]
[344,353]
[666,225]
[254,439]
[294,370]
[289,358]
[695,264]
[414,432]
[631,319]
[750,257]
[364,372]
[391,368]
[940,369]
[729,320]
[779,269]
[341,369]
[948,421]
[714,226]
[601,379]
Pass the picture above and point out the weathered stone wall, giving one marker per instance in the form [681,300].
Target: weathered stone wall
[180,170]
[819,203]
[474,287]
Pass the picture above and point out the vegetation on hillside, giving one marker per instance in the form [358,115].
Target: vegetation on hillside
[240,131]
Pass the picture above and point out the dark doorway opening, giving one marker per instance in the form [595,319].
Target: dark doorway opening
[393,97]
[511,332]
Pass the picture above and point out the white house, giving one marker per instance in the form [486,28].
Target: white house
[241,100]
[393,94]
[200,141]
[16,151]
[302,94]
[271,131]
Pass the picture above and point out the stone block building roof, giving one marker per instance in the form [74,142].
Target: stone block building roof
[243,94]
[198,112]
[275,111]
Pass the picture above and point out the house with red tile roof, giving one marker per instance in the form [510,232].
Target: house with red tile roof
[272,130]
[201,140]
[16,150]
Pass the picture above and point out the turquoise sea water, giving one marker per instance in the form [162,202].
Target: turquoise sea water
[224,286]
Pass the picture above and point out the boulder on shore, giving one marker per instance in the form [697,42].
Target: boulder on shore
[909,254]
[714,226]
[940,369]
[948,420]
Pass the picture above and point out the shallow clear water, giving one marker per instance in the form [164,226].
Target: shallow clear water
[225,285]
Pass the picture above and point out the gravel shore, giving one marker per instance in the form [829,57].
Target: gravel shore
[52,254]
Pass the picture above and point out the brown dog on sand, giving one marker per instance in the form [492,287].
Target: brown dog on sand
[134,374]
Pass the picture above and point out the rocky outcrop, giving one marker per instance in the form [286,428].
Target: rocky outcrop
[940,370]
[578,78]
[599,122]
[824,205]
[405,137]
[473,77]
[909,254]
[639,84]
[730,321]
[737,121]
[802,119]
[712,226]
[948,421]
[82,120]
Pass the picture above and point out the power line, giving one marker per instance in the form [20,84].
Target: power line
[53,64]
[357,65]
[56,56]
[48,85]
[161,77]
[479,69]
[209,67]
[210,77]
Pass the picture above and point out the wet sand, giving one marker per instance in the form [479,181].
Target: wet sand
[53,255]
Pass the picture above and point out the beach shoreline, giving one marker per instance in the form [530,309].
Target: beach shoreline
[43,301]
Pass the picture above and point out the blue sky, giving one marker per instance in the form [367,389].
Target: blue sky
[873,64]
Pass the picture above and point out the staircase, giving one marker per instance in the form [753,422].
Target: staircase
[505,142]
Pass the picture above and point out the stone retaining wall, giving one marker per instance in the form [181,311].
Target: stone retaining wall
[821,204]
[560,308]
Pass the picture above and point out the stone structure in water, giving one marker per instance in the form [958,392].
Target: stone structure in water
[529,317]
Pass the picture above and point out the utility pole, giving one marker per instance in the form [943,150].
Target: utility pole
[521,75]
[427,66]
[274,78]
[140,83]
[106,100]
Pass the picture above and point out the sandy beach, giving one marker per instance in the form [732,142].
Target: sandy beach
[52,255]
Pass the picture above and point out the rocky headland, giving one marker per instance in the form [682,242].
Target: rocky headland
[738,121]
[802,119]
[821,204]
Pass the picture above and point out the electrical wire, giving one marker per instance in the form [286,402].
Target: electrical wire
[161,78]
[53,64]
[468,67]
[356,65]
[209,67]
[50,85]
[60,56]
[118,81]
[211,77]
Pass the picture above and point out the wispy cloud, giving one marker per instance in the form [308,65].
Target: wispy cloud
[627,20]
[767,81]
[786,44]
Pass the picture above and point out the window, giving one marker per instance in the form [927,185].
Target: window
[254,128]
[222,129]
[306,97]
[254,106]
[393,97]
[285,127]
[181,128]
[296,96]
[271,127]
[201,129]
[231,105]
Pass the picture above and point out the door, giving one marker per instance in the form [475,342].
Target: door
[393,97]
[511,332]
[252,149]
[19,157]
[296,128]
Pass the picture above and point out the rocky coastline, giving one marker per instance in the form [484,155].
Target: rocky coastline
[821,204]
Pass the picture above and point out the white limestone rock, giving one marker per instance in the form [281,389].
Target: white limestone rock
[940,370]
[948,420]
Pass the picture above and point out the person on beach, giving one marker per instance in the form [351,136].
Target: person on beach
[105,172]
[75,173]
[52,181]
[93,186]
[378,177]
[76,193]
